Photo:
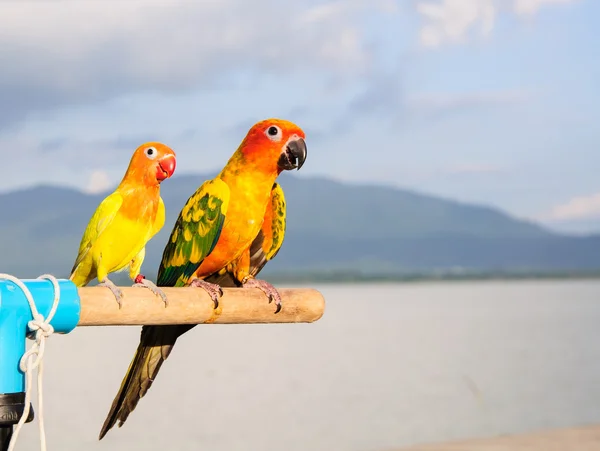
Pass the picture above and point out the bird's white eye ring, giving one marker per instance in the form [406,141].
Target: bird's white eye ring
[151,152]
[273,133]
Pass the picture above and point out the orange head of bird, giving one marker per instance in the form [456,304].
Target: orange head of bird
[275,144]
[151,163]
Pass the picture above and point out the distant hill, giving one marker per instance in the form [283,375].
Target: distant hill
[332,227]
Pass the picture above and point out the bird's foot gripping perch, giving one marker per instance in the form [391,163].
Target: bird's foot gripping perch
[266,288]
[214,290]
[141,281]
[115,290]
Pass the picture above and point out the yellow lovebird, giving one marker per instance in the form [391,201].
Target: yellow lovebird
[116,236]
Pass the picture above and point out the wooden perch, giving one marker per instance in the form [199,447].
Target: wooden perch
[191,305]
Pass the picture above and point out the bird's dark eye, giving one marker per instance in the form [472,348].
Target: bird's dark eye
[150,152]
[273,133]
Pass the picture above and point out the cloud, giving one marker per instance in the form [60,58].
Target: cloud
[437,101]
[57,53]
[451,21]
[576,208]
[80,52]
[525,7]
[435,105]
[118,143]
[384,96]
[98,183]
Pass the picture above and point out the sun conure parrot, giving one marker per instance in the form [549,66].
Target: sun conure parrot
[226,232]
[116,236]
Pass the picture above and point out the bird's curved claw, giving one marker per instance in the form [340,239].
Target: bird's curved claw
[116,291]
[141,281]
[266,288]
[213,289]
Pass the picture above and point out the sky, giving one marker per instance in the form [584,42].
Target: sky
[490,102]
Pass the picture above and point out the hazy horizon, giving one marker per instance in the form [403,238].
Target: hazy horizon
[202,176]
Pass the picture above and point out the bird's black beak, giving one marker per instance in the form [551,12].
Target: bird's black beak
[293,155]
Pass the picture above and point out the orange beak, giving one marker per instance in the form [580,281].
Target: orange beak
[166,167]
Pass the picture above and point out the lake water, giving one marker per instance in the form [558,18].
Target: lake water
[387,366]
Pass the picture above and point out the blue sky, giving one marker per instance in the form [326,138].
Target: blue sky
[486,101]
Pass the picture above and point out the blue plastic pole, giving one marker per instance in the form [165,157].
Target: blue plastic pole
[15,313]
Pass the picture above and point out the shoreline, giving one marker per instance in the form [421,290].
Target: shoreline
[418,278]
[349,277]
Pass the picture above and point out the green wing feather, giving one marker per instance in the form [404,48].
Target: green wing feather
[264,247]
[195,233]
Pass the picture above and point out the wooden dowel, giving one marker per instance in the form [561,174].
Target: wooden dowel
[190,305]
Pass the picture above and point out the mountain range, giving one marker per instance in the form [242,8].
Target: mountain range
[333,228]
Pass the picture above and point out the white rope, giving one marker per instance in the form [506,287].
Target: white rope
[33,358]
